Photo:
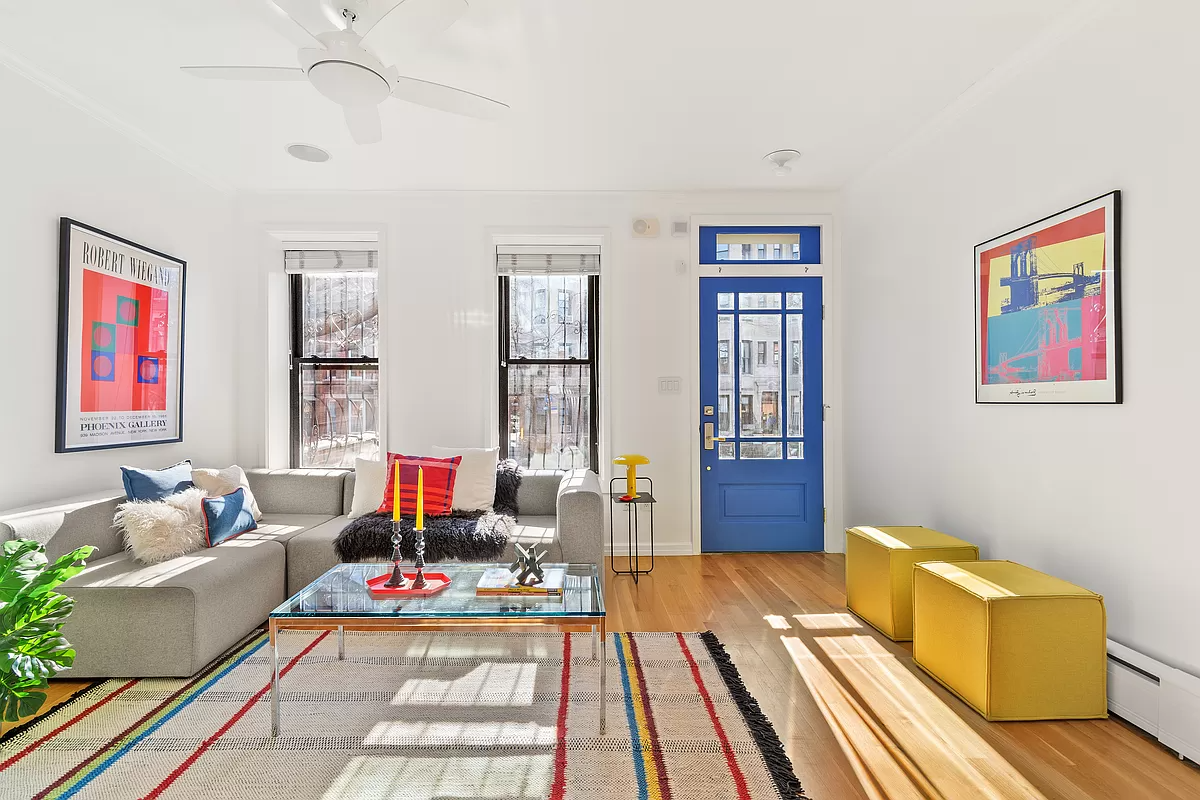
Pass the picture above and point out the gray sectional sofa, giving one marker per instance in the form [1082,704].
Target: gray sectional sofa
[173,618]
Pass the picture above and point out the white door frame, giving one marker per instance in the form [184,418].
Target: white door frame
[830,349]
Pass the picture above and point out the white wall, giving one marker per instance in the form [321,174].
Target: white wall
[440,313]
[59,161]
[1112,105]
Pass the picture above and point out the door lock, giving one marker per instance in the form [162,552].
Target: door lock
[708,436]
[708,411]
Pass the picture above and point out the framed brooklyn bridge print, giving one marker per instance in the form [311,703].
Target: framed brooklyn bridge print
[1047,309]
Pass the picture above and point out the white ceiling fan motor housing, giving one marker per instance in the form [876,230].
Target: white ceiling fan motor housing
[345,72]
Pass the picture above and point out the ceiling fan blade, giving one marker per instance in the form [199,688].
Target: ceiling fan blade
[364,124]
[447,98]
[276,18]
[409,24]
[246,73]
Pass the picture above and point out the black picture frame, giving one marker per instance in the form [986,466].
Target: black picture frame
[1109,390]
[67,412]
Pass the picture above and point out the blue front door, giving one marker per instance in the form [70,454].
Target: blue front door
[761,462]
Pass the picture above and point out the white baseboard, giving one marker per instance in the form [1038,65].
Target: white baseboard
[1159,699]
[660,549]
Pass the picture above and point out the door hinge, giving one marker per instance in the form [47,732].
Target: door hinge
[825,517]
[822,413]
[822,312]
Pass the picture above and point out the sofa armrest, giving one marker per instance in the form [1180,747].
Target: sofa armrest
[581,518]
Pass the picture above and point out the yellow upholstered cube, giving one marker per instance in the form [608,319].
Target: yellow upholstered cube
[879,565]
[1014,643]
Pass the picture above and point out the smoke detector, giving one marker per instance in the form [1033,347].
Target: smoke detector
[780,161]
[308,152]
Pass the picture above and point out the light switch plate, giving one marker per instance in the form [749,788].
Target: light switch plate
[670,385]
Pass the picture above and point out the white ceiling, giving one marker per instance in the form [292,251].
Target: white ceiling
[606,94]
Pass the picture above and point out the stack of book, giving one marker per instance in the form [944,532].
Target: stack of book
[500,581]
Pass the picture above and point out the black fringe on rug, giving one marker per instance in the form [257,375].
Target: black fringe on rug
[760,727]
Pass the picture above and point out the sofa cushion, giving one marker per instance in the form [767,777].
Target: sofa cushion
[66,525]
[310,552]
[172,618]
[535,529]
[298,491]
[283,527]
[539,492]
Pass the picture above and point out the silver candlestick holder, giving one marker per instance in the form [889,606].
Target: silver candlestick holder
[419,579]
[398,581]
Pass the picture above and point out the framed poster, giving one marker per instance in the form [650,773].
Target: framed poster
[1047,309]
[120,342]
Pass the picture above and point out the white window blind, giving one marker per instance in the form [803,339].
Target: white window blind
[297,262]
[547,259]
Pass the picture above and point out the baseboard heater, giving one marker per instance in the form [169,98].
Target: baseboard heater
[1161,700]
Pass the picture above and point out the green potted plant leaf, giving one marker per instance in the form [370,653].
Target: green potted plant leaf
[32,648]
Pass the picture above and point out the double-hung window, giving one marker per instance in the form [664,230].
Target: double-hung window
[334,367]
[548,387]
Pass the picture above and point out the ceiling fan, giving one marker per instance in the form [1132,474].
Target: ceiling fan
[338,64]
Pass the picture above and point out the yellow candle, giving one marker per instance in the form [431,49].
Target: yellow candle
[396,491]
[420,499]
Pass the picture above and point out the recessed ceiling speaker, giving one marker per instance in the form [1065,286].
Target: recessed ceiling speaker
[308,152]
[645,227]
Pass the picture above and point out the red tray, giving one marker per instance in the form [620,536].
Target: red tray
[434,583]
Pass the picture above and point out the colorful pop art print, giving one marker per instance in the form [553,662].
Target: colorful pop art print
[1047,309]
[120,342]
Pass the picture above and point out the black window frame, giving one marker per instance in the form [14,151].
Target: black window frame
[297,363]
[592,361]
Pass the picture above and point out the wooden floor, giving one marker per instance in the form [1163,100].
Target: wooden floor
[857,718]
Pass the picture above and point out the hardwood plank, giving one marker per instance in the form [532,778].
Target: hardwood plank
[875,726]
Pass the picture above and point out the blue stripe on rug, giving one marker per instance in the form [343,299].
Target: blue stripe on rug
[639,767]
[99,769]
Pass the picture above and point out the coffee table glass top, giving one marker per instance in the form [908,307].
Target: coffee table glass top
[342,592]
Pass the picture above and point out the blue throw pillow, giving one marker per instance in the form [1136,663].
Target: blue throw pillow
[227,516]
[155,484]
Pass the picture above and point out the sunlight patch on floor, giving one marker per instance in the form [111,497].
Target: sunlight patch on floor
[827,622]
[462,734]
[400,778]
[937,752]
[489,684]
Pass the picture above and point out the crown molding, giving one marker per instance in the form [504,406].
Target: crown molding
[82,102]
[1061,29]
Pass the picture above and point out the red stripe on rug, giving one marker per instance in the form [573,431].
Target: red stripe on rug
[559,786]
[202,676]
[17,757]
[655,748]
[730,759]
[187,762]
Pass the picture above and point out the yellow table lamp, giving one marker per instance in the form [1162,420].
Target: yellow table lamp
[630,461]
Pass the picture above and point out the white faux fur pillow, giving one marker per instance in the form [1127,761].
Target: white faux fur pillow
[159,530]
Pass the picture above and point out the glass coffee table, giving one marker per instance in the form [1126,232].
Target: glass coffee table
[339,599]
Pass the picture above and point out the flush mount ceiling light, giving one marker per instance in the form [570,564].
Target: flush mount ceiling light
[308,152]
[780,161]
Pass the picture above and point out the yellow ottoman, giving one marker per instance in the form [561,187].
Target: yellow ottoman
[879,565]
[1014,643]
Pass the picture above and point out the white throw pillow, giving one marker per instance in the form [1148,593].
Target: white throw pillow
[220,482]
[159,530]
[370,480]
[475,486]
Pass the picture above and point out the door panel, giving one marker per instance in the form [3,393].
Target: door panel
[761,483]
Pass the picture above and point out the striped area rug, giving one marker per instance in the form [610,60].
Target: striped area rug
[417,715]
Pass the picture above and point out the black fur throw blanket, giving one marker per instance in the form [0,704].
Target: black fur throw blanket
[461,536]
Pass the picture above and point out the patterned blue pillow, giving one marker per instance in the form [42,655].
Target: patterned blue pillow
[227,517]
[155,484]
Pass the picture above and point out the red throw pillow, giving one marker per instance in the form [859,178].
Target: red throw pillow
[439,484]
